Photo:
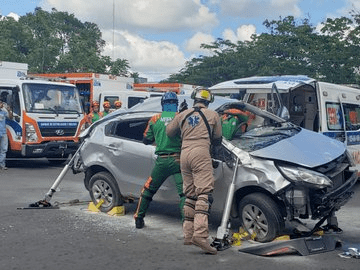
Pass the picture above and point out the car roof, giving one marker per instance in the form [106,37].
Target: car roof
[154,103]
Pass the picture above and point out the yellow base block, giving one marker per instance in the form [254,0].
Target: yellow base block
[117,211]
[95,208]
[92,208]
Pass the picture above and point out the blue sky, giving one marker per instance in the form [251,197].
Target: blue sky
[158,36]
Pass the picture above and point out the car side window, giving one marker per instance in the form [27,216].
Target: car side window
[130,129]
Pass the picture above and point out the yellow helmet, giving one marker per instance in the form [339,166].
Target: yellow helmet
[202,94]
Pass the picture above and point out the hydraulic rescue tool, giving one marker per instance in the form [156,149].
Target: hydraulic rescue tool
[45,203]
[223,239]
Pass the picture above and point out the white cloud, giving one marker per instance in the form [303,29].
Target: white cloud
[349,6]
[194,43]
[12,15]
[153,59]
[260,8]
[158,59]
[243,33]
[156,15]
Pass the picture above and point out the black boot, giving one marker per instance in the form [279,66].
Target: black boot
[139,223]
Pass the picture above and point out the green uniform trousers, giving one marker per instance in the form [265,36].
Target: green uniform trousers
[165,166]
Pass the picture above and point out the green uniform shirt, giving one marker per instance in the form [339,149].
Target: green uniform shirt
[230,125]
[95,117]
[156,131]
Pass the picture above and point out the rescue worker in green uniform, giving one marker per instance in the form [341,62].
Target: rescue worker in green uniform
[168,160]
[232,120]
[95,115]
[107,107]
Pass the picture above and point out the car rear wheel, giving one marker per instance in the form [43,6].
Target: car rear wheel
[102,186]
[261,216]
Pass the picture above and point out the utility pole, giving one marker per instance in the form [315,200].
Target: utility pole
[113,50]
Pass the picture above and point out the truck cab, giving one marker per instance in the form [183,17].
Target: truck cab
[47,118]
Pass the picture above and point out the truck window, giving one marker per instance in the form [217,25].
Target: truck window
[335,119]
[48,98]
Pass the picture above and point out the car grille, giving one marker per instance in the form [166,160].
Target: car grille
[335,170]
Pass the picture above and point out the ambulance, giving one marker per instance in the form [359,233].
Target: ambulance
[47,116]
[331,109]
[92,85]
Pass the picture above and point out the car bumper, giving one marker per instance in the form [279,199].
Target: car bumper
[50,149]
[333,200]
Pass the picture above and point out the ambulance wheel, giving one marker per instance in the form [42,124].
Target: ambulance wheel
[261,217]
[102,186]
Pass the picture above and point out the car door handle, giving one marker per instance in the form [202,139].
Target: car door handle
[112,147]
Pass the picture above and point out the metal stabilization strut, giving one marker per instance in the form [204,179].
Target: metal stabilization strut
[223,239]
[45,203]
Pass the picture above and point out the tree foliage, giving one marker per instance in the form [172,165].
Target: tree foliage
[56,42]
[287,47]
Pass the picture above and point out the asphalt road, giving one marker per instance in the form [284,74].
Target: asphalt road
[73,238]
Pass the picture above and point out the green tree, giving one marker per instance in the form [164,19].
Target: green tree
[287,47]
[56,42]
[15,40]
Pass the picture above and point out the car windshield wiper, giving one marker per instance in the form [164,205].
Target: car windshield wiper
[289,128]
[267,135]
[44,109]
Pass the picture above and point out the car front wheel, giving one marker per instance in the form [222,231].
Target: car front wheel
[261,217]
[102,186]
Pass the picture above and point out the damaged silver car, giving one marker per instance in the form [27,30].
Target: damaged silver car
[280,172]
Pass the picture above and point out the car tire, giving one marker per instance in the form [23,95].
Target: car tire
[260,216]
[102,185]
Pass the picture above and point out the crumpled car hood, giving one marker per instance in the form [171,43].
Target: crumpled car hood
[306,148]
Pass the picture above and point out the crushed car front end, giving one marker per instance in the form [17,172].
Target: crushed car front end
[286,174]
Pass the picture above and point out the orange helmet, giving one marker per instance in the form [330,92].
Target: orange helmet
[118,104]
[106,104]
[95,103]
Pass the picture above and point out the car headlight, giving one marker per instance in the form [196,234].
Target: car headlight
[298,174]
[30,133]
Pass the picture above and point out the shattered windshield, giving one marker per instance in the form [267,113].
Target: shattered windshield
[261,137]
[47,98]
[249,131]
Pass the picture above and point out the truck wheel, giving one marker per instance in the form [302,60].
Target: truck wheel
[102,185]
[260,215]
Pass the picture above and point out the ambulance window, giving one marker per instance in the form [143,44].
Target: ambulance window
[112,100]
[134,100]
[335,120]
[352,116]
[333,116]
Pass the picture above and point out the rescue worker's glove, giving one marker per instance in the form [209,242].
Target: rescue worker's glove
[183,106]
